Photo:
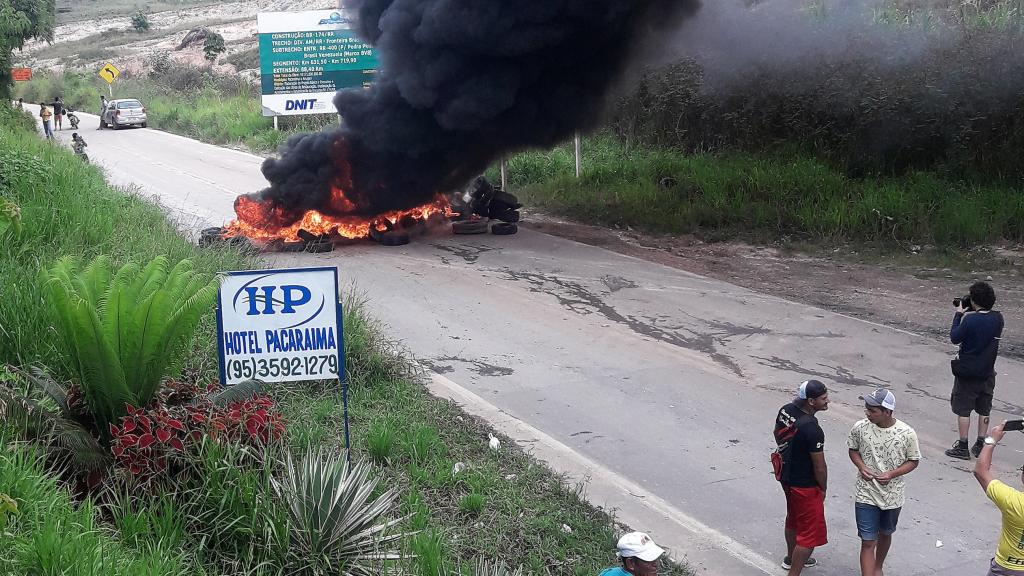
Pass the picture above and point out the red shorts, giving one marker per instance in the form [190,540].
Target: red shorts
[805,515]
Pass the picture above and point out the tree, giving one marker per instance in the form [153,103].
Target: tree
[21,20]
[140,22]
[214,46]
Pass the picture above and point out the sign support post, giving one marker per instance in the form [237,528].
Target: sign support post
[578,152]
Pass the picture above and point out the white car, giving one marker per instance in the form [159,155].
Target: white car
[125,112]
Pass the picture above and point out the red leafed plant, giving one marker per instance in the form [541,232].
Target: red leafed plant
[145,440]
[149,439]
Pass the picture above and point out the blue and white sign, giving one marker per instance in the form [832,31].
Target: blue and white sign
[280,326]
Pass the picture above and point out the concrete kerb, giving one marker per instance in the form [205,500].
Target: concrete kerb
[706,550]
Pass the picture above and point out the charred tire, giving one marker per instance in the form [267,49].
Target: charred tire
[510,216]
[210,236]
[470,227]
[319,247]
[393,238]
[502,197]
[504,229]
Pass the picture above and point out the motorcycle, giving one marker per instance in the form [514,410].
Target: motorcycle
[73,118]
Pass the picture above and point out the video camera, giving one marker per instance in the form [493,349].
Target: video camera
[964,301]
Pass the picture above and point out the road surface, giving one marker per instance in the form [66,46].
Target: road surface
[659,384]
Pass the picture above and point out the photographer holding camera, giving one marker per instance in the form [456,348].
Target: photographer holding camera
[1009,559]
[977,329]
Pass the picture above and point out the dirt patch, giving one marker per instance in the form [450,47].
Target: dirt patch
[911,296]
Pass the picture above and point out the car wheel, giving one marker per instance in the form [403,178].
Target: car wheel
[144,124]
[469,227]
[504,229]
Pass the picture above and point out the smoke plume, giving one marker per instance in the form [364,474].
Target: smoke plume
[460,83]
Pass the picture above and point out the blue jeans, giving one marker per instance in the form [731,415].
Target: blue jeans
[872,521]
[48,128]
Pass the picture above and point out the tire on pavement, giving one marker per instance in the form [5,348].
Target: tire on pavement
[470,227]
[393,238]
[319,247]
[504,229]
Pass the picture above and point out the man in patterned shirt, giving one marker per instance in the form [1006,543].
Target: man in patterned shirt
[883,449]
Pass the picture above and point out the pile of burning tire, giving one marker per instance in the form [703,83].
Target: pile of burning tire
[487,208]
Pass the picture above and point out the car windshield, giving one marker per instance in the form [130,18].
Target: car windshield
[129,104]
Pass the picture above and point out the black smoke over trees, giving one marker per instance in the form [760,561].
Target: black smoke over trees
[462,82]
[871,97]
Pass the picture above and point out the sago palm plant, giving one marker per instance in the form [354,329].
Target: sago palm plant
[123,330]
[335,523]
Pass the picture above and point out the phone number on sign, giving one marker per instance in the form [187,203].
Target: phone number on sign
[311,366]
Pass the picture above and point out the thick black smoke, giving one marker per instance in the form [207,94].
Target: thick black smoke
[460,83]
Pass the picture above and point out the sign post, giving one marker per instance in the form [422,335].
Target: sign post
[109,72]
[281,326]
[306,57]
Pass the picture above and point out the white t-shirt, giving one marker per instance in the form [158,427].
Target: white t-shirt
[883,450]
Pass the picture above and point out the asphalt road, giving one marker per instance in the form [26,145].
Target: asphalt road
[665,381]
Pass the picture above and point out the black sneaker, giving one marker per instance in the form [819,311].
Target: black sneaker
[809,563]
[959,450]
[978,445]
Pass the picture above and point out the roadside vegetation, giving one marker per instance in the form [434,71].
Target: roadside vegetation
[894,157]
[115,464]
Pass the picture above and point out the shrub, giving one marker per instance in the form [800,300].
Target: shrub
[380,441]
[124,330]
[140,22]
[429,553]
[334,520]
[213,46]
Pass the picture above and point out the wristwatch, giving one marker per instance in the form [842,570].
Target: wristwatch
[990,441]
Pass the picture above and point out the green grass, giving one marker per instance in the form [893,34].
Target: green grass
[51,534]
[761,196]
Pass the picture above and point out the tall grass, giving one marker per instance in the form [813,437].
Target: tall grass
[762,195]
[50,534]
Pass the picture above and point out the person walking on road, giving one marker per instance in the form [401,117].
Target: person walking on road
[884,450]
[799,462]
[58,113]
[45,115]
[20,104]
[639,555]
[977,329]
[1009,558]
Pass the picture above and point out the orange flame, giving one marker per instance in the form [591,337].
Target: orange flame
[255,219]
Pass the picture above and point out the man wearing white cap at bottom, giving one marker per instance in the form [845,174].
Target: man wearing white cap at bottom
[883,449]
[639,556]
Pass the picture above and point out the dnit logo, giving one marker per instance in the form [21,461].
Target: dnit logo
[307,104]
[335,18]
[263,297]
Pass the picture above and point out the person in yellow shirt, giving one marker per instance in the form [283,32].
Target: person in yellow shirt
[1009,559]
[45,115]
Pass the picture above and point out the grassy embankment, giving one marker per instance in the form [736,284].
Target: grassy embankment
[226,519]
[762,196]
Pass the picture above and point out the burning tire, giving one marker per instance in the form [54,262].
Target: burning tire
[210,236]
[504,229]
[392,238]
[470,227]
[319,247]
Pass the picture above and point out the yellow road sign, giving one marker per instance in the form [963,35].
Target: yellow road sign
[109,72]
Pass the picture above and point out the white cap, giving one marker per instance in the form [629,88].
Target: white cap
[880,398]
[638,545]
